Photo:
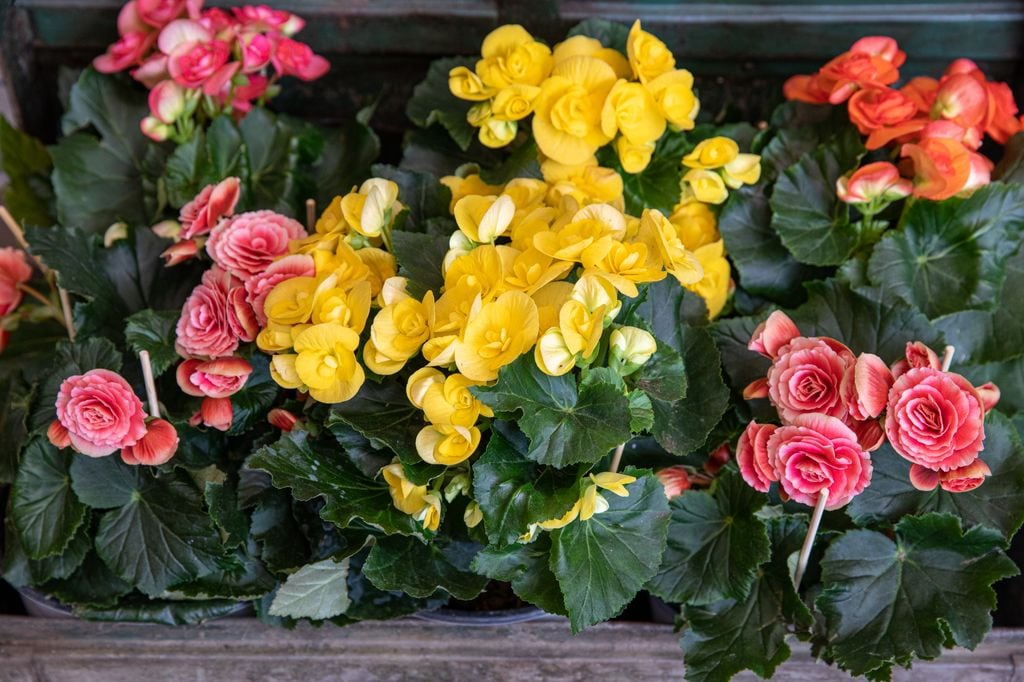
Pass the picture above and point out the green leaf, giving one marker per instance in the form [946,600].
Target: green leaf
[656,186]
[161,612]
[249,406]
[69,559]
[244,578]
[153,331]
[421,193]
[46,512]
[15,401]
[812,223]
[765,267]
[27,165]
[105,482]
[521,163]
[419,258]
[271,150]
[602,562]
[432,102]
[419,569]
[161,537]
[187,170]
[514,492]
[527,568]
[611,34]
[370,603]
[715,544]
[732,635]
[93,584]
[1010,168]
[222,501]
[664,307]
[565,425]
[316,591]
[70,359]
[998,503]
[887,601]
[295,462]
[951,255]
[663,376]
[275,528]
[344,161]
[802,128]
[641,412]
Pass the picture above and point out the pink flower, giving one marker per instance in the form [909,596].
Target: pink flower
[58,435]
[157,13]
[127,51]
[101,412]
[961,99]
[282,419]
[242,317]
[256,51]
[772,334]
[263,18]
[815,453]
[213,203]
[865,387]
[180,252]
[129,21]
[879,181]
[14,270]
[156,447]
[259,286]
[675,480]
[182,32]
[292,58]
[152,70]
[219,378]
[981,172]
[248,243]
[756,465]
[916,355]
[806,377]
[216,20]
[935,419]
[167,101]
[958,480]
[216,413]
[880,46]
[989,394]
[191,64]
[205,326]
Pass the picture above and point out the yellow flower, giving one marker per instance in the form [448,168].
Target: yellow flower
[420,382]
[549,299]
[465,84]
[378,362]
[459,245]
[526,193]
[634,157]
[532,269]
[450,315]
[447,445]
[585,46]
[291,301]
[473,515]
[711,153]
[631,347]
[283,372]
[406,496]
[498,333]
[332,219]
[484,218]
[567,113]
[581,327]
[631,110]
[373,207]
[716,284]
[587,226]
[552,355]
[482,270]
[393,290]
[673,91]
[596,292]
[274,338]
[344,262]
[706,186]
[496,132]
[695,224]
[591,503]
[430,515]
[648,56]
[327,364]
[623,264]
[562,521]
[511,56]
[745,169]
[660,235]
[381,266]
[347,308]
[464,186]
[399,330]
[514,102]
[529,222]
[450,403]
[587,183]
[612,482]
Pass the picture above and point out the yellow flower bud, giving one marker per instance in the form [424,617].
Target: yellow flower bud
[450,403]
[373,207]
[420,381]
[706,185]
[393,290]
[631,348]
[472,516]
[551,354]
[115,233]
[496,133]
[745,169]
[430,515]
[595,293]
[447,445]
[634,157]
[332,219]
[711,153]
[274,338]
[327,364]
[648,56]
[283,372]
[407,497]
[514,102]
[465,84]
[378,362]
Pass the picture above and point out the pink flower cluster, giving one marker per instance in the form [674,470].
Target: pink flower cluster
[250,256]
[836,407]
[188,55]
[14,272]
[98,414]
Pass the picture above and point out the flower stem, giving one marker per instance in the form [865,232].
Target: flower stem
[39,296]
[812,530]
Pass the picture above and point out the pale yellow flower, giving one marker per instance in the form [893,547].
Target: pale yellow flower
[631,110]
[706,185]
[552,355]
[496,334]
[634,157]
[465,84]
[327,364]
[673,91]
[745,169]
[567,113]
[447,445]
[712,153]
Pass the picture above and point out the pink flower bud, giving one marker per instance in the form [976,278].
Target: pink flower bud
[873,182]
[757,466]
[14,271]
[129,21]
[219,378]
[772,334]
[717,459]
[922,478]
[181,32]
[58,435]
[989,394]
[167,229]
[167,101]
[156,447]
[216,413]
[152,70]
[865,387]
[675,480]
[241,316]
[965,478]
[880,46]
[180,252]
[213,203]
[758,388]
[981,172]
[126,52]
[961,99]
[154,129]
[158,13]
[282,419]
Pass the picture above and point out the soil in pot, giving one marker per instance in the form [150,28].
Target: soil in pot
[496,605]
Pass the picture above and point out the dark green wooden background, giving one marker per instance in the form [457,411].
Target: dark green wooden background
[740,51]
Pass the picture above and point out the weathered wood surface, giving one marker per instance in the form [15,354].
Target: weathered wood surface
[38,650]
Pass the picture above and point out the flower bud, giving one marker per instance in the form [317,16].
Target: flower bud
[216,413]
[458,485]
[282,419]
[58,435]
[472,516]
[875,182]
[156,447]
[717,459]
[675,480]
[631,347]
[154,129]
[167,101]
[115,233]
[552,355]
[180,252]
[167,229]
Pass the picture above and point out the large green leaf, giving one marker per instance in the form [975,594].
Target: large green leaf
[105,482]
[602,562]
[812,223]
[951,255]
[153,331]
[565,425]
[317,591]
[528,569]
[227,516]
[313,471]
[161,611]
[46,512]
[27,164]
[998,503]
[420,257]
[344,160]
[886,601]
[731,635]
[715,544]
[1011,167]
[69,559]
[16,396]
[242,577]
[283,547]
[92,584]
[419,569]
[161,536]
[249,406]
[432,102]
[799,129]
[514,492]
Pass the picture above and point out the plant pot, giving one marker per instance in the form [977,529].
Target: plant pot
[39,605]
[481,618]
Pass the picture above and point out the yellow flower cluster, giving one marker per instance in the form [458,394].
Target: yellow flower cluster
[716,165]
[697,228]
[314,322]
[582,95]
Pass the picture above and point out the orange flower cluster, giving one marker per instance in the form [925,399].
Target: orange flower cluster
[937,125]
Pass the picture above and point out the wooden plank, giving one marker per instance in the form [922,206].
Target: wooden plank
[40,650]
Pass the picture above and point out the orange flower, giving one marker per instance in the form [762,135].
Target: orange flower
[921,91]
[883,114]
[850,71]
[1001,119]
[805,89]
[941,167]
[962,100]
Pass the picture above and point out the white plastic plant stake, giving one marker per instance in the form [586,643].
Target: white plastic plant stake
[812,530]
[311,215]
[947,357]
[147,377]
